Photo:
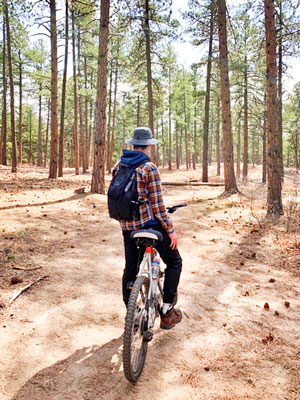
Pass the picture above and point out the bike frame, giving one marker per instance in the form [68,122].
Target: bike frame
[146,270]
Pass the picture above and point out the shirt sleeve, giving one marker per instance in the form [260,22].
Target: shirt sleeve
[156,200]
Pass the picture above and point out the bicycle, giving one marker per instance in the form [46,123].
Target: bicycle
[145,302]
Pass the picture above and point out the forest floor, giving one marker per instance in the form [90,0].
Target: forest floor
[240,293]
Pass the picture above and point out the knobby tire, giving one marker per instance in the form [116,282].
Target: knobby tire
[135,324]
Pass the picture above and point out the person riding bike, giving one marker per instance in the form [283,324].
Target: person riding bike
[153,215]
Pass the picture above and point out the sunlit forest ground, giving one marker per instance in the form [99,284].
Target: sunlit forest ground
[239,292]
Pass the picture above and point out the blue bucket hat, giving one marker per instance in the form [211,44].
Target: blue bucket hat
[142,136]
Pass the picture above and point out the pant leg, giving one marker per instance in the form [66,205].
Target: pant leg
[173,261]
[132,259]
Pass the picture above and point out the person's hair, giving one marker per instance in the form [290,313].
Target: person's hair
[140,146]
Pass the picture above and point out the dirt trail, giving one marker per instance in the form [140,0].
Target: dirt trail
[62,339]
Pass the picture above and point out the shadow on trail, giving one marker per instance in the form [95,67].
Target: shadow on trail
[89,373]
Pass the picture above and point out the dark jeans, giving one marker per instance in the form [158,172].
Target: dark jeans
[171,258]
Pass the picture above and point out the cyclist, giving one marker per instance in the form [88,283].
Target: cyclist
[152,215]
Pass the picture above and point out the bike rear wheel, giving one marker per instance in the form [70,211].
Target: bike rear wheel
[134,345]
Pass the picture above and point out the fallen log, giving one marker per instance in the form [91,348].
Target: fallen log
[193,184]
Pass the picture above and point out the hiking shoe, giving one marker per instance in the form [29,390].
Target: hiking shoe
[171,318]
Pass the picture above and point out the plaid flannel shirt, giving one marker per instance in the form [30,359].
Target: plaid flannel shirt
[150,193]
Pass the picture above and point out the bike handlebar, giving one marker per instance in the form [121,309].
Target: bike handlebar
[172,209]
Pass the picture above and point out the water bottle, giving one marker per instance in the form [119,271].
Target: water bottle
[155,272]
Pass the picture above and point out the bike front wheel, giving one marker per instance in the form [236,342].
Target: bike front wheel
[134,345]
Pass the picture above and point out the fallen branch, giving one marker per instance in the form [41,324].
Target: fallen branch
[23,289]
[193,183]
[25,268]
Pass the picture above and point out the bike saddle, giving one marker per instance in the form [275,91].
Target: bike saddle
[147,233]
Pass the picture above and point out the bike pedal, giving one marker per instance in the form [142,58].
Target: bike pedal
[148,336]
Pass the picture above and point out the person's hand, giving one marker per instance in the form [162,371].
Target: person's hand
[174,240]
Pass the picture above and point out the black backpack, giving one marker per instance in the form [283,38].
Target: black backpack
[122,195]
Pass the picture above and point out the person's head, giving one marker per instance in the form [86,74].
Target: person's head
[142,139]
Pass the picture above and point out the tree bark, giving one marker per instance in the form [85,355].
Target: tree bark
[40,144]
[4,110]
[61,155]
[98,181]
[109,115]
[264,166]
[20,147]
[54,123]
[12,94]
[47,135]
[114,119]
[207,103]
[149,73]
[75,126]
[218,147]
[238,150]
[229,176]
[245,152]
[280,71]
[170,124]
[86,119]
[273,149]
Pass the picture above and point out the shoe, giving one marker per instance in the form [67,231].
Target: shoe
[169,320]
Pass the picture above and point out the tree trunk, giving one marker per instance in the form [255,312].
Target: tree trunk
[195,135]
[170,124]
[54,123]
[86,118]
[98,181]
[30,137]
[61,156]
[264,166]
[82,136]
[187,156]
[207,103]
[20,152]
[114,119]
[245,152]
[229,176]
[109,116]
[218,147]
[4,110]
[273,149]
[47,135]
[238,150]
[12,95]
[40,144]
[75,126]
[149,73]
[177,147]
[280,65]
[138,111]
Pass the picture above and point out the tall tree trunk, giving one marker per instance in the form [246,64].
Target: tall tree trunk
[207,102]
[30,137]
[109,115]
[138,117]
[61,156]
[149,73]
[54,123]
[114,119]
[264,166]
[82,136]
[238,150]
[229,176]
[98,182]
[40,143]
[274,151]
[218,147]
[20,152]
[75,126]
[195,136]
[86,118]
[4,110]
[47,134]
[170,124]
[187,157]
[280,71]
[245,152]
[163,143]
[177,147]
[12,95]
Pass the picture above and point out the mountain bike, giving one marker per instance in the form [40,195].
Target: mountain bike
[145,302]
